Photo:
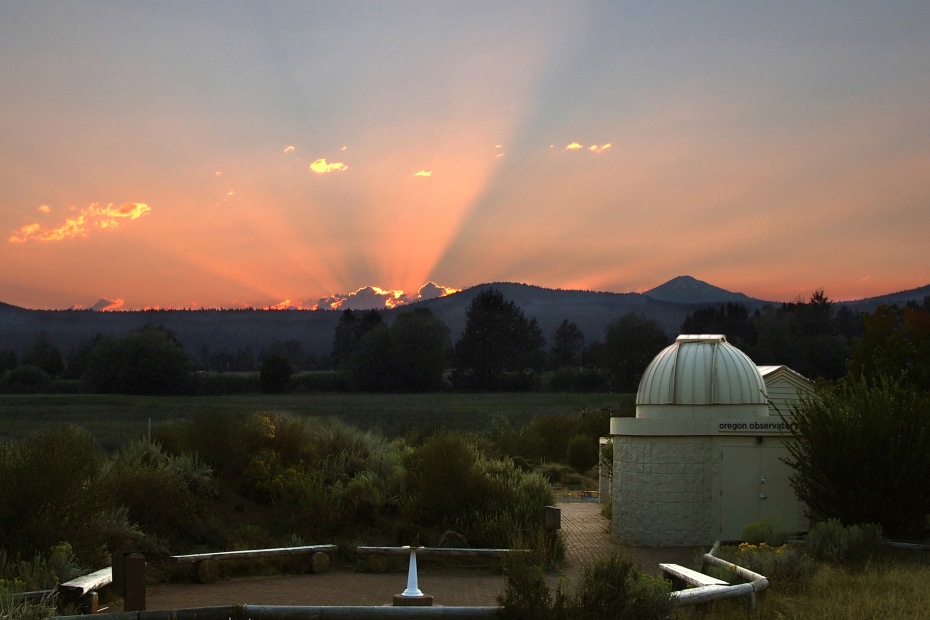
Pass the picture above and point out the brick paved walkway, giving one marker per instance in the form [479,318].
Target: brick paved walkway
[584,530]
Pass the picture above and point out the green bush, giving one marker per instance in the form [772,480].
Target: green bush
[860,454]
[612,587]
[164,494]
[854,545]
[451,484]
[275,374]
[26,379]
[526,595]
[764,531]
[47,483]
[785,566]
[582,453]
[608,588]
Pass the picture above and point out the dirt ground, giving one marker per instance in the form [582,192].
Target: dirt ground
[585,533]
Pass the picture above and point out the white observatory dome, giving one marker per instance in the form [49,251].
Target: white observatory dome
[700,370]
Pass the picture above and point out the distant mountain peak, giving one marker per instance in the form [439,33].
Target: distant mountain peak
[690,290]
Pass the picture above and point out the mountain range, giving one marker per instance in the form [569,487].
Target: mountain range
[258,330]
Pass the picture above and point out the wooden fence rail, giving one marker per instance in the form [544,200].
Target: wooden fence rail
[203,569]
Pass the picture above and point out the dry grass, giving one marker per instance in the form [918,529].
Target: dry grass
[890,590]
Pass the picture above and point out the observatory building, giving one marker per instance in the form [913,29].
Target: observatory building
[702,458]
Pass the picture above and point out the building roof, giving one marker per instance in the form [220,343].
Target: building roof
[701,369]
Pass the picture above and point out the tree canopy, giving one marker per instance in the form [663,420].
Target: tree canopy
[896,342]
[630,343]
[567,345]
[145,361]
[409,356]
[498,339]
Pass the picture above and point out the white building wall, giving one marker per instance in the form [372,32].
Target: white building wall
[666,490]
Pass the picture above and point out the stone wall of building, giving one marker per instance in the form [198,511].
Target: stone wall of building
[666,490]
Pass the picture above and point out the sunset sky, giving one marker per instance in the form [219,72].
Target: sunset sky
[225,154]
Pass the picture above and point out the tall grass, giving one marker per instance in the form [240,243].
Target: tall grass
[891,590]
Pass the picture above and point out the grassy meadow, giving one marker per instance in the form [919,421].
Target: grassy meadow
[116,419]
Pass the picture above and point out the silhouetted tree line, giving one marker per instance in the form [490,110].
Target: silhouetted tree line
[500,349]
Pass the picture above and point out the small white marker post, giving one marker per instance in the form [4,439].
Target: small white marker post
[412,596]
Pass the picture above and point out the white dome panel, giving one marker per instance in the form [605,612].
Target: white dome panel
[701,370]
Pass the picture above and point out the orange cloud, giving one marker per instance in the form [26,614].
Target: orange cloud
[594,148]
[320,166]
[369,297]
[287,304]
[431,290]
[43,209]
[423,173]
[94,216]
[289,148]
[105,305]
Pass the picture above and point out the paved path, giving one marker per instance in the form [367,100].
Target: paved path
[584,529]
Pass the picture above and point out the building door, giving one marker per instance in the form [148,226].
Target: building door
[755,486]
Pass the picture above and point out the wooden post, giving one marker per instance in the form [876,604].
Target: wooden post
[134,582]
[552,521]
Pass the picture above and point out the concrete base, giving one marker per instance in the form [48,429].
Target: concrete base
[424,600]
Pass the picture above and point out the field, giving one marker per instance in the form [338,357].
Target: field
[116,419]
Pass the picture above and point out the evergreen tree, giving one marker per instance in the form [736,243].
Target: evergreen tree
[567,345]
[631,342]
[498,339]
[43,354]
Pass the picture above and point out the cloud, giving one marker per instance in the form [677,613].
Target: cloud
[594,148]
[289,148]
[287,304]
[423,173]
[104,305]
[320,166]
[365,298]
[44,209]
[431,290]
[344,148]
[92,217]
[374,297]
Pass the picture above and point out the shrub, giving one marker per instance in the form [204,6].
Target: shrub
[44,482]
[607,588]
[853,545]
[860,454]
[763,531]
[582,453]
[526,594]
[161,492]
[275,374]
[612,587]
[785,566]
[27,379]
[451,484]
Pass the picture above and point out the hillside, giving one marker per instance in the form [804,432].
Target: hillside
[257,330]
